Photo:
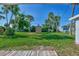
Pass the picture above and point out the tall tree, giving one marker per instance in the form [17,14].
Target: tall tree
[21,22]
[15,11]
[71,25]
[52,22]
[57,20]
[10,8]
[30,19]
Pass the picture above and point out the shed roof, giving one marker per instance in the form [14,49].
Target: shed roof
[76,17]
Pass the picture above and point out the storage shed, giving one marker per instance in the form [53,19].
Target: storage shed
[76,18]
[38,29]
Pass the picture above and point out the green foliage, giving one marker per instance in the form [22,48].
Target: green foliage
[33,28]
[52,22]
[21,24]
[20,21]
[44,28]
[29,19]
[9,31]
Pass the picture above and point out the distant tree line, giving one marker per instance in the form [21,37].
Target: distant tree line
[18,21]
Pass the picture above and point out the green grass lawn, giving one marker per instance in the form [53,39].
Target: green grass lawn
[62,43]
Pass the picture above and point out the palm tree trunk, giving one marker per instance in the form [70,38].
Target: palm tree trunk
[11,18]
[15,25]
[71,25]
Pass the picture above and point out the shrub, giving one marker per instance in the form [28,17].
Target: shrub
[44,29]
[33,29]
[9,31]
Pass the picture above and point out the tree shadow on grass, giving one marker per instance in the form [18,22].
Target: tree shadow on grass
[14,36]
[20,36]
[40,37]
[54,37]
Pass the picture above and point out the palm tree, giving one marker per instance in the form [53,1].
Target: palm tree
[72,25]
[57,20]
[15,11]
[30,19]
[50,21]
[21,22]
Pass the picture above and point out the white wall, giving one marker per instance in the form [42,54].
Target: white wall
[77,32]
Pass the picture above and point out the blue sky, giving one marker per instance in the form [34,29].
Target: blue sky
[40,12]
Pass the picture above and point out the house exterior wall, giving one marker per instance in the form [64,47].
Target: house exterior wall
[77,32]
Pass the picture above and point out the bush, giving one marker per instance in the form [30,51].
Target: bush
[44,29]
[33,29]
[25,30]
[9,31]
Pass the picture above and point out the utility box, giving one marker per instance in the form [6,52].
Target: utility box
[76,18]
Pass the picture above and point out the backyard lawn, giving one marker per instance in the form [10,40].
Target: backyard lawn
[62,43]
